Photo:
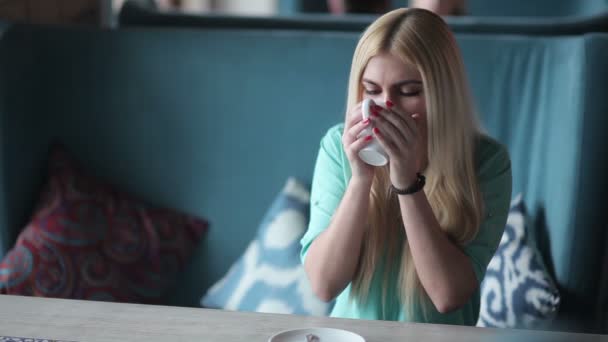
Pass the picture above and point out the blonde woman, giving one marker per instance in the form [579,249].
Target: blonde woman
[409,241]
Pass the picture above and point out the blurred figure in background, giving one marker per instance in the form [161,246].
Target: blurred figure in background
[167,4]
[337,7]
[358,6]
[441,7]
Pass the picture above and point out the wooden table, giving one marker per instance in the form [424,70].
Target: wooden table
[73,320]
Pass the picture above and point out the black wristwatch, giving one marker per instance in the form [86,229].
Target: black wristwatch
[414,188]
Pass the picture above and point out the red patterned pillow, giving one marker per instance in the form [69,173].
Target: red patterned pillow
[87,240]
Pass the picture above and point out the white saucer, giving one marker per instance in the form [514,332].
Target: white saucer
[324,335]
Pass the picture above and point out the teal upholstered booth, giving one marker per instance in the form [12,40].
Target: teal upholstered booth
[212,122]
[536,8]
[479,8]
[135,13]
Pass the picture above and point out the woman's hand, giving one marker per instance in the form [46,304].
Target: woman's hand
[400,137]
[354,141]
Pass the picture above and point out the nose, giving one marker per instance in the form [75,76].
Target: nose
[387,102]
[383,100]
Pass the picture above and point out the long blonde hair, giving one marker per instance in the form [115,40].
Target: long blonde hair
[421,38]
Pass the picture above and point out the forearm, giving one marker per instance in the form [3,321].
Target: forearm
[332,258]
[445,272]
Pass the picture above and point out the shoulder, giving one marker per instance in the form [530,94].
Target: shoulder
[334,133]
[492,158]
[332,140]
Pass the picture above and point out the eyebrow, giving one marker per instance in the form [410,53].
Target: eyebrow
[398,84]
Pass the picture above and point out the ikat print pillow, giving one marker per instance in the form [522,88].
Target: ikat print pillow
[517,291]
[269,276]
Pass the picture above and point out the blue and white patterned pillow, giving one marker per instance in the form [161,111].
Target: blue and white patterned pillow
[269,276]
[517,290]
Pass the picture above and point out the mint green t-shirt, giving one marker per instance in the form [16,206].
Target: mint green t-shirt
[331,176]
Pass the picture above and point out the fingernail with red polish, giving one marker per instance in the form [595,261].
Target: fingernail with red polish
[368,138]
[366,121]
[376,130]
[389,104]
[375,113]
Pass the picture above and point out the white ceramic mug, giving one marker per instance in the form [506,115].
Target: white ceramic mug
[372,153]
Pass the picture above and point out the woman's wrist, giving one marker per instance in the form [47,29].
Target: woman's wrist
[363,183]
[405,182]
[413,188]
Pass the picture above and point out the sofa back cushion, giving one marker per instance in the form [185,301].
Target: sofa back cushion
[212,121]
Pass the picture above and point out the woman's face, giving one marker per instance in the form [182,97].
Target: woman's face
[387,78]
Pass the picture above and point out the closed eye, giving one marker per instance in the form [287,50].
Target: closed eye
[372,91]
[410,93]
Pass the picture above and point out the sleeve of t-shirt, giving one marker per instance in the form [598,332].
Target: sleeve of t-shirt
[328,186]
[494,174]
